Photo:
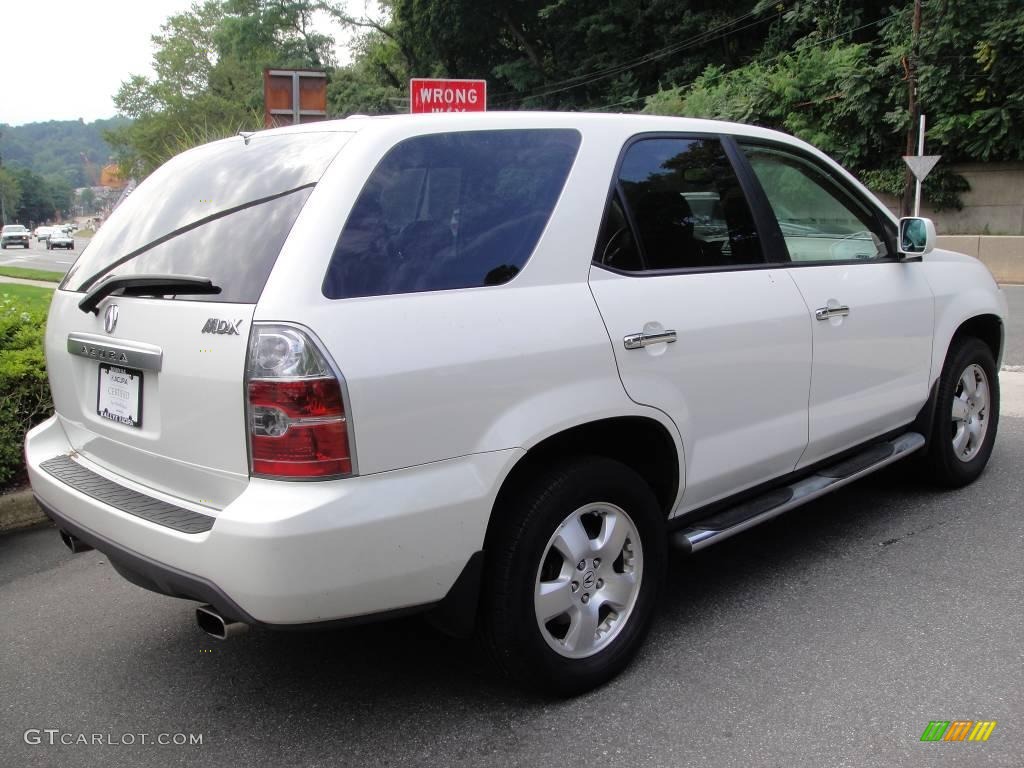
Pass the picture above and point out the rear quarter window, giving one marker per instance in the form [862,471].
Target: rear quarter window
[452,210]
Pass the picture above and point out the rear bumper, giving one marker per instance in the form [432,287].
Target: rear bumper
[295,553]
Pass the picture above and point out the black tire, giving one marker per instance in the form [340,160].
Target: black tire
[524,524]
[942,464]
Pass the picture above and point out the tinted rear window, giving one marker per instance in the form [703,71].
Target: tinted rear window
[249,196]
[454,210]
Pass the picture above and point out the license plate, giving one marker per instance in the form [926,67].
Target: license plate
[120,395]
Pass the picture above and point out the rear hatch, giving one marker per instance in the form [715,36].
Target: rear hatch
[149,383]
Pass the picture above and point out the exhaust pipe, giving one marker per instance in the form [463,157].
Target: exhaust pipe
[215,625]
[73,543]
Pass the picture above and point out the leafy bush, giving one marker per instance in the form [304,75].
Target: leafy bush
[24,390]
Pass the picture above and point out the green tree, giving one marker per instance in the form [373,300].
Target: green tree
[850,98]
[10,195]
[68,148]
[208,65]
[87,199]
[561,54]
[972,78]
[36,205]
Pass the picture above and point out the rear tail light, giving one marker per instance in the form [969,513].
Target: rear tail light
[298,427]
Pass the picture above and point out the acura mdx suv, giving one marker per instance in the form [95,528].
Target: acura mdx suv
[491,367]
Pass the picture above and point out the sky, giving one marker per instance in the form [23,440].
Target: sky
[102,42]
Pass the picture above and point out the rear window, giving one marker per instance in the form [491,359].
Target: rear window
[453,210]
[220,211]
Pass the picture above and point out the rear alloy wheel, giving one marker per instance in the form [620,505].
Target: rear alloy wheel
[967,414]
[588,580]
[575,561]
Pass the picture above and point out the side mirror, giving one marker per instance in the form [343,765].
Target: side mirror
[917,236]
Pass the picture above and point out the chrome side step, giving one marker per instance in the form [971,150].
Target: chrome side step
[720,526]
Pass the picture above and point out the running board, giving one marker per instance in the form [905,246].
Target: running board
[720,526]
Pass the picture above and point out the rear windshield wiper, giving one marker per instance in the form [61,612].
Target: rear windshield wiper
[145,285]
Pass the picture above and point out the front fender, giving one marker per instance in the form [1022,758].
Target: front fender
[963,288]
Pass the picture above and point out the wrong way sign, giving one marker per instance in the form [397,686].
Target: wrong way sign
[431,95]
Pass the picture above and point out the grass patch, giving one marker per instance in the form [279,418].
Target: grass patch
[31,274]
[18,299]
[85,233]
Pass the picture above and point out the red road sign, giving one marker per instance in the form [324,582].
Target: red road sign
[427,95]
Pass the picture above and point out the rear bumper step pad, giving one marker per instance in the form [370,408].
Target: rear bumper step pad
[86,481]
[729,522]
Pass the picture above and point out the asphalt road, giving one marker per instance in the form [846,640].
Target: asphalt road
[830,637]
[37,257]
[1014,353]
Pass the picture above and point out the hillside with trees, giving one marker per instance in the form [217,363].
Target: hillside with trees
[70,149]
[44,162]
[833,72]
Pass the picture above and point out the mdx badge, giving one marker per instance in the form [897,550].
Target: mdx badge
[228,327]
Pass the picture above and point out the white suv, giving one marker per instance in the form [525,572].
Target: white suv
[490,367]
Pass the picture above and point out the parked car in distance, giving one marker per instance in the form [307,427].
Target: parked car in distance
[491,367]
[15,234]
[59,238]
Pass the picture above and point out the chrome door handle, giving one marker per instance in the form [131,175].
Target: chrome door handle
[824,313]
[640,340]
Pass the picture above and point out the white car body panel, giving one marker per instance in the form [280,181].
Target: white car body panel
[744,340]
[191,444]
[871,368]
[338,549]
[963,288]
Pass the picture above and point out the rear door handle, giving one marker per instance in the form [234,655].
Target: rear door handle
[824,313]
[640,340]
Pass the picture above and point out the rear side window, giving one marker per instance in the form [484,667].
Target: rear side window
[452,210]
[687,206]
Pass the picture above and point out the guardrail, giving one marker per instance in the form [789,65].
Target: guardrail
[1002,254]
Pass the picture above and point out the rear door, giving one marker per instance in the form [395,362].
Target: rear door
[871,312]
[151,388]
[701,328]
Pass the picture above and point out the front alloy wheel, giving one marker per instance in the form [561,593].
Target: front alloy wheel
[970,412]
[966,414]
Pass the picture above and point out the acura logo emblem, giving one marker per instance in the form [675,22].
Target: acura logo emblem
[110,319]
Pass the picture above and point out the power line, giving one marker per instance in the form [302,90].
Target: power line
[773,58]
[666,50]
[580,80]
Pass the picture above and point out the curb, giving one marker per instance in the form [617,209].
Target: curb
[19,510]
[23,281]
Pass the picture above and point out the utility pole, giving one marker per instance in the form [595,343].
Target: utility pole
[914,107]
[920,153]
